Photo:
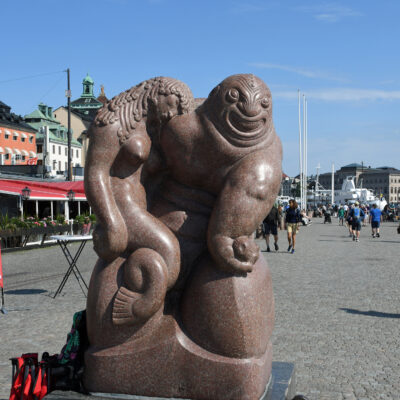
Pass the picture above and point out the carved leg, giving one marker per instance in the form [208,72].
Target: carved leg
[142,294]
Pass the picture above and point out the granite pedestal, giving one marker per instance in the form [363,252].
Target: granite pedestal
[282,387]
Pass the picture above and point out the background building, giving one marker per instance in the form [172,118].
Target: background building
[83,111]
[17,139]
[52,142]
[383,181]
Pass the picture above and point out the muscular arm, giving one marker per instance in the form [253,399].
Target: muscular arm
[250,190]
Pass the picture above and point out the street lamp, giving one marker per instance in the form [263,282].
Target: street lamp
[71,195]
[26,193]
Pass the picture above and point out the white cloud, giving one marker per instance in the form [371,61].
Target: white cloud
[342,94]
[330,12]
[298,70]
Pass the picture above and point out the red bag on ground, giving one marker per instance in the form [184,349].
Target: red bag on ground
[24,368]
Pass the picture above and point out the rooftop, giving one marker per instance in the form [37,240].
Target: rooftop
[11,120]
[354,165]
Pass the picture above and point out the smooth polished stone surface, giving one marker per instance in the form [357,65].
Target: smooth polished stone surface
[282,387]
[180,302]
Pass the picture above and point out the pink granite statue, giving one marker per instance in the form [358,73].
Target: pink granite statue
[180,302]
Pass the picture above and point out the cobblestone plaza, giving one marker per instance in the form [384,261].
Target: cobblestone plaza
[336,301]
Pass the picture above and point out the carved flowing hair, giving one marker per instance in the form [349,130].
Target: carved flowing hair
[131,106]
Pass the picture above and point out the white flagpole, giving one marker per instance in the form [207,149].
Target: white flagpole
[306,157]
[300,152]
[333,183]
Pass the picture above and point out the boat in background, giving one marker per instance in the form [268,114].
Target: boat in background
[350,194]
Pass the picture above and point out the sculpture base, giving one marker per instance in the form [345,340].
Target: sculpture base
[282,386]
[176,368]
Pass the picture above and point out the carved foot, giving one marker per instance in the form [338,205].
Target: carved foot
[124,301]
[144,287]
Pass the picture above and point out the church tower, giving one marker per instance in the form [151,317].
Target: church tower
[87,104]
[87,86]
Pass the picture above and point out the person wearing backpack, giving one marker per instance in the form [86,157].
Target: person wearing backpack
[270,226]
[356,215]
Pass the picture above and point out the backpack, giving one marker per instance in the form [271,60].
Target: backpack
[33,379]
[356,214]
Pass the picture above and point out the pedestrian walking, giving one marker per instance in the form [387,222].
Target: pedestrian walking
[356,215]
[365,218]
[270,226]
[341,215]
[292,220]
[375,218]
[348,220]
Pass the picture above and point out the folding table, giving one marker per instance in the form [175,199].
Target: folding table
[63,241]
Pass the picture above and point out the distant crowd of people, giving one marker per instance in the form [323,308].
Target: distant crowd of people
[290,218]
[355,216]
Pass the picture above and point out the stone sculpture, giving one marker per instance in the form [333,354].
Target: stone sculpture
[180,303]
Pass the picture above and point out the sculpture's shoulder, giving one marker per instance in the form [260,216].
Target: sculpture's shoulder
[260,171]
[184,124]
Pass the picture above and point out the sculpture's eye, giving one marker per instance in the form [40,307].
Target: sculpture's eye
[233,95]
[265,102]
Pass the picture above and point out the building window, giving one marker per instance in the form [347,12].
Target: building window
[66,166]
[30,139]
[23,158]
[77,154]
[18,157]
[6,135]
[66,151]
[22,139]
[54,149]
[54,164]
[59,150]
[39,148]
[391,189]
[7,156]
[15,137]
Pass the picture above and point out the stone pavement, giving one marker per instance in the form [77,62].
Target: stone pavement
[336,301]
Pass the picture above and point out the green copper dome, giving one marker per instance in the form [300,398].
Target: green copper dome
[88,79]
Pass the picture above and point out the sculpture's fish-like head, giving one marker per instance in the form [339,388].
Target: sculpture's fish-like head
[241,108]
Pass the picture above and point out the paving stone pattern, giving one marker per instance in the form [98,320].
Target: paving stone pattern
[337,310]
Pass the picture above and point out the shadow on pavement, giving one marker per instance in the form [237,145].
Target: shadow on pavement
[370,313]
[25,291]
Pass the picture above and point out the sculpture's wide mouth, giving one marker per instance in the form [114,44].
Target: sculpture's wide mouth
[245,127]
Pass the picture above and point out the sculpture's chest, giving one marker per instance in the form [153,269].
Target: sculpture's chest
[196,158]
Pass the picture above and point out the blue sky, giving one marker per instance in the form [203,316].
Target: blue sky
[344,55]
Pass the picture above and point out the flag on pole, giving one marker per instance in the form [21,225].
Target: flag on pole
[1,271]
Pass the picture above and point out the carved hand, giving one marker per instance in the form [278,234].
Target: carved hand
[235,256]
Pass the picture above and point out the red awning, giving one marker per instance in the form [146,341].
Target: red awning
[43,190]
